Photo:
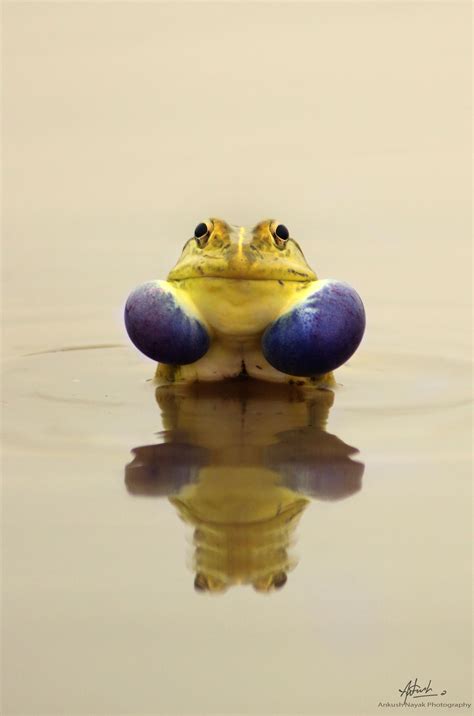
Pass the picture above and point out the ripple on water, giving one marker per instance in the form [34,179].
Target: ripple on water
[112,375]
[403,382]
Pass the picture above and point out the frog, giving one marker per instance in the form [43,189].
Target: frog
[244,302]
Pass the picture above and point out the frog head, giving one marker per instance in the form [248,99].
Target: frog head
[244,527]
[221,250]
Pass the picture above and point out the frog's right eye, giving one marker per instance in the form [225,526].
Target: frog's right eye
[202,232]
[203,583]
[280,234]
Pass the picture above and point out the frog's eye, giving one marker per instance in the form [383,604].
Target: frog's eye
[202,232]
[280,233]
[202,583]
[279,580]
[266,584]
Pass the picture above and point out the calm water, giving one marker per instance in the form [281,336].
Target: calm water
[245,549]
[117,495]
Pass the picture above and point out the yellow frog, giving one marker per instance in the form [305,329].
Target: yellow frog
[244,302]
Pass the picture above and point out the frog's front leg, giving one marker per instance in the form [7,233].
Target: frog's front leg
[318,333]
[165,325]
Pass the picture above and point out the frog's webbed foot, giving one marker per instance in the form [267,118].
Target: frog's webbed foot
[319,333]
[165,325]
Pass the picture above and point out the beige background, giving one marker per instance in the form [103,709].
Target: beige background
[125,124]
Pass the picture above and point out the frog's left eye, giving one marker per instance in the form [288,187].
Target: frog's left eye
[202,232]
[280,232]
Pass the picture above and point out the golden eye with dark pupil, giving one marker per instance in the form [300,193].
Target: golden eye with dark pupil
[201,230]
[281,232]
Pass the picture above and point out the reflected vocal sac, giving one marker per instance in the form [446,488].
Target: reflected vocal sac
[240,461]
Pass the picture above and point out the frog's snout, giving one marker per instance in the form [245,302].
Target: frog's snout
[236,253]
[245,250]
[246,245]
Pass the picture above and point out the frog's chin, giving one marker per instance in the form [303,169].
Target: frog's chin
[238,307]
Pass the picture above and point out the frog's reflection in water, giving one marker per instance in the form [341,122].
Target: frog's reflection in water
[239,461]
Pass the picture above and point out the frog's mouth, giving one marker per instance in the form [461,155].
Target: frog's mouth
[218,268]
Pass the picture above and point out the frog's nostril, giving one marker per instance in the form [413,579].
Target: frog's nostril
[256,251]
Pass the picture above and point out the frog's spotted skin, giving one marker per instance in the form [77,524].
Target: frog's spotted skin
[232,287]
